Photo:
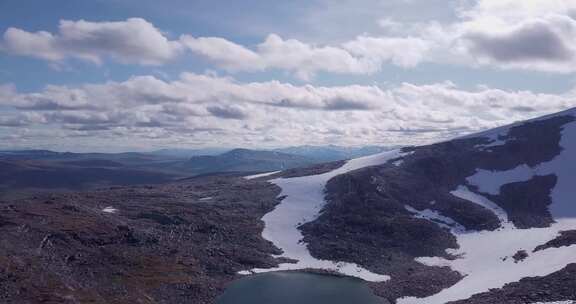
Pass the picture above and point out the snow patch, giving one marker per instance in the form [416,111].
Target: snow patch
[491,181]
[495,134]
[482,259]
[563,166]
[495,140]
[245,272]
[463,193]
[440,220]
[261,175]
[110,209]
[303,203]
[483,256]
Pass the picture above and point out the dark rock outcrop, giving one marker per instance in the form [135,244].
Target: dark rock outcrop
[566,238]
[527,202]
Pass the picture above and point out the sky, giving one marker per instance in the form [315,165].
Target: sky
[132,75]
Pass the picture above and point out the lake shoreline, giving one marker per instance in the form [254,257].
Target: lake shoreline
[299,286]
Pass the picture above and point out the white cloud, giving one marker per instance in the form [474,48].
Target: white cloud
[131,41]
[212,110]
[390,25]
[533,35]
[227,54]
[21,119]
[511,11]
[363,55]
[305,60]
[542,44]
[404,52]
[138,41]
[39,44]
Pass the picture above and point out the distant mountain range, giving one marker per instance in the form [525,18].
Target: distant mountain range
[187,153]
[244,160]
[318,153]
[333,153]
[44,169]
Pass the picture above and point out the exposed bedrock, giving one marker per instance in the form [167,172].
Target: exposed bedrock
[366,220]
[565,239]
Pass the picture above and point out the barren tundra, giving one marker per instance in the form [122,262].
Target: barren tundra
[176,243]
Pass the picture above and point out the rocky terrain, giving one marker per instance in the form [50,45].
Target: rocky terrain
[174,243]
[565,239]
[81,175]
[482,219]
[394,217]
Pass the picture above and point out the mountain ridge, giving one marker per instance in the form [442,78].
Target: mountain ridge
[431,190]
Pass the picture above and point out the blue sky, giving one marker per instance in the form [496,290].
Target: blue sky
[140,75]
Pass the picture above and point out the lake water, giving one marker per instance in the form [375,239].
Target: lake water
[297,288]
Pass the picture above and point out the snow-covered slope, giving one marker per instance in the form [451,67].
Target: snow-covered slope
[485,257]
[498,202]
[304,201]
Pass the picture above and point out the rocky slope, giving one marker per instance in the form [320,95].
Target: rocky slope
[175,243]
[471,220]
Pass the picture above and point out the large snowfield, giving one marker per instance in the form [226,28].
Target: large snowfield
[303,203]
[484,258]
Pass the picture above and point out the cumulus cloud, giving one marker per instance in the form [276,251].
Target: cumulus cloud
[21,119]
[363,55]
[227,54]
[532,41]
[509,34]
[134,40]
[227,112]
[404,52]
[534,35]
[212,110]
[206,109]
